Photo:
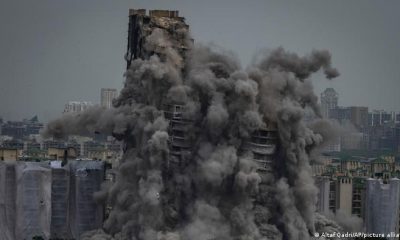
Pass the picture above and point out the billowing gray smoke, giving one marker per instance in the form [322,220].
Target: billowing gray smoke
[217,193]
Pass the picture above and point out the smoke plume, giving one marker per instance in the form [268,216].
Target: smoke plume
[215,192]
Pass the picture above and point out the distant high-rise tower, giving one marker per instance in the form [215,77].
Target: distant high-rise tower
[329,100]
[107,96]
[261,146]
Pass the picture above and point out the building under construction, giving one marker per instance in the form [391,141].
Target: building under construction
[49,200]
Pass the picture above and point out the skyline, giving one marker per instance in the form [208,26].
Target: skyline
[55,52]
[98,103]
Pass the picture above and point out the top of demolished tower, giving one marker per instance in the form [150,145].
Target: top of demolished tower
[162,18]
[143,24]
[155,13]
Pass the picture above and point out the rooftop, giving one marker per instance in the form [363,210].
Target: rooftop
[155,13]
[379,160]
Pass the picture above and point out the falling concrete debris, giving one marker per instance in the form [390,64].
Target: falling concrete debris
[212,151]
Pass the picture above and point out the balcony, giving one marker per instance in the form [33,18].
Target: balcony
[267,149]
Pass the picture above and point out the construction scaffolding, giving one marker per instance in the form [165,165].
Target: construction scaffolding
[49,200]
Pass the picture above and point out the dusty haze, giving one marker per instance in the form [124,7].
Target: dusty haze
[56,51]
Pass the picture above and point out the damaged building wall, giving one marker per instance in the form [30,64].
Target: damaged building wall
[142,25]
[49,200]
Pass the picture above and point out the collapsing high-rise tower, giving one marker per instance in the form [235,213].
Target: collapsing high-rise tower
[140,27]
[262,143]
[211,151]
[261,146]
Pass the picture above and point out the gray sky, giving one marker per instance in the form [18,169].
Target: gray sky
[55,51]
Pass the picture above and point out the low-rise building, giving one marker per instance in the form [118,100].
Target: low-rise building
[349,164]
[379,166]
[61,153]
[9,154]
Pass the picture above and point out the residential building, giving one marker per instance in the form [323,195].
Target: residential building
[329,100]
[107,96]
[359,117]
[353,141]
[344,192]
[21,129]
[323,185]
[13,144]
[9,154]
[332,196]
[334,146]
[318,169]
[380,168]
[76,106]
[62,153]
[341,114]
[380,117]
[8,200]
[349,164]
[358,197]
[14,129]
[91,147]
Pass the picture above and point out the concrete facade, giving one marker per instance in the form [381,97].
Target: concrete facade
[382,206]
[323,185]
[344,192]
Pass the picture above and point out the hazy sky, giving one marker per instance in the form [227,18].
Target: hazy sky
[55,51]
